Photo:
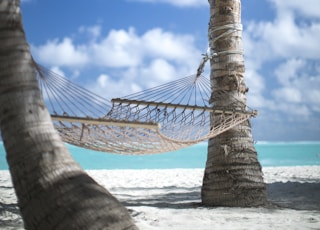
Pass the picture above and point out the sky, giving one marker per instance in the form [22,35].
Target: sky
[115,48]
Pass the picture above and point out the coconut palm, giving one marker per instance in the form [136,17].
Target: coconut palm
[233,175]
[53,191]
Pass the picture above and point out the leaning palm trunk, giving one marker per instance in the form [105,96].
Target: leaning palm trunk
[233,175]
[53,191]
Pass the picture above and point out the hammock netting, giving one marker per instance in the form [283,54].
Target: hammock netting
[161,119]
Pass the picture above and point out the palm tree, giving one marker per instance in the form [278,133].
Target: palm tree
[53,191]
[233,175]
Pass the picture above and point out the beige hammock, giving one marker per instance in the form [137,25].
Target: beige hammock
[161,119]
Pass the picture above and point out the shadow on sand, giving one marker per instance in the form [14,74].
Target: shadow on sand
[10,216]
[293,195]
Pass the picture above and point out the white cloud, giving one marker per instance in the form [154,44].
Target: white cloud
[255,81]
[159,43]
[286,73]
[93,31]
[282,59]
[119,49]
[256,84]
[61,53]
[109,87]
[284,38]
[149,59]
[135,79]
[299,84]
[158,71]
[103,80]
[289,44]
[58,71]
[126,49]
[179,3]
[306,9]
[287,94]
[293,111]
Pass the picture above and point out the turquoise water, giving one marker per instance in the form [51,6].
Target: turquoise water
[269,154]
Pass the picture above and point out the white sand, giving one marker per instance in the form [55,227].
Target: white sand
[169,199]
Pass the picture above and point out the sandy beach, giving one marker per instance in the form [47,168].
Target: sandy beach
[170,199]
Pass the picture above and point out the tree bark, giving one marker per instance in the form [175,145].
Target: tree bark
[233,175]
[53,191]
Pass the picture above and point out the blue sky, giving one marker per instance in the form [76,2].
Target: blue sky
[115,48]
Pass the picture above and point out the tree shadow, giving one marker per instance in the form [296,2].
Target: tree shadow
[66,199]
[295,195]
[10,216]
[166,197]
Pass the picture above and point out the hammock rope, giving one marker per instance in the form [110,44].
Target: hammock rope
[160,119]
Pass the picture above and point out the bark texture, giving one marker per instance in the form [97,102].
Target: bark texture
[233,175]
[53,191]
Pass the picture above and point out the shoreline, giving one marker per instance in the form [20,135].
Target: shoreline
[170,198]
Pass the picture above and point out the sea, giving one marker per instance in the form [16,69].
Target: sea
[270,154]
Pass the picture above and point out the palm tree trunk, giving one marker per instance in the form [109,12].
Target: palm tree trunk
[53,191]
[233,175]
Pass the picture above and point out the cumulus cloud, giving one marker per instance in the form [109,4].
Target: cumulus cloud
[298,92]
[286,72]
[282,59]
[283,70]
[148,59]
[92,31]
[284,38]
[288,94]
[135,79]
[159,70]
[58,71]
[289,44]
[305,9]
[61,53]
[178,3]
[120,48]
[109,87]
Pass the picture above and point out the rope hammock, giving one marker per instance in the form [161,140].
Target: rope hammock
[161,119]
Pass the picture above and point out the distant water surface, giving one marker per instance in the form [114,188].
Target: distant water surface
[269,154]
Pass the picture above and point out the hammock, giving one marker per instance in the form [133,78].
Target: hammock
[161,119]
